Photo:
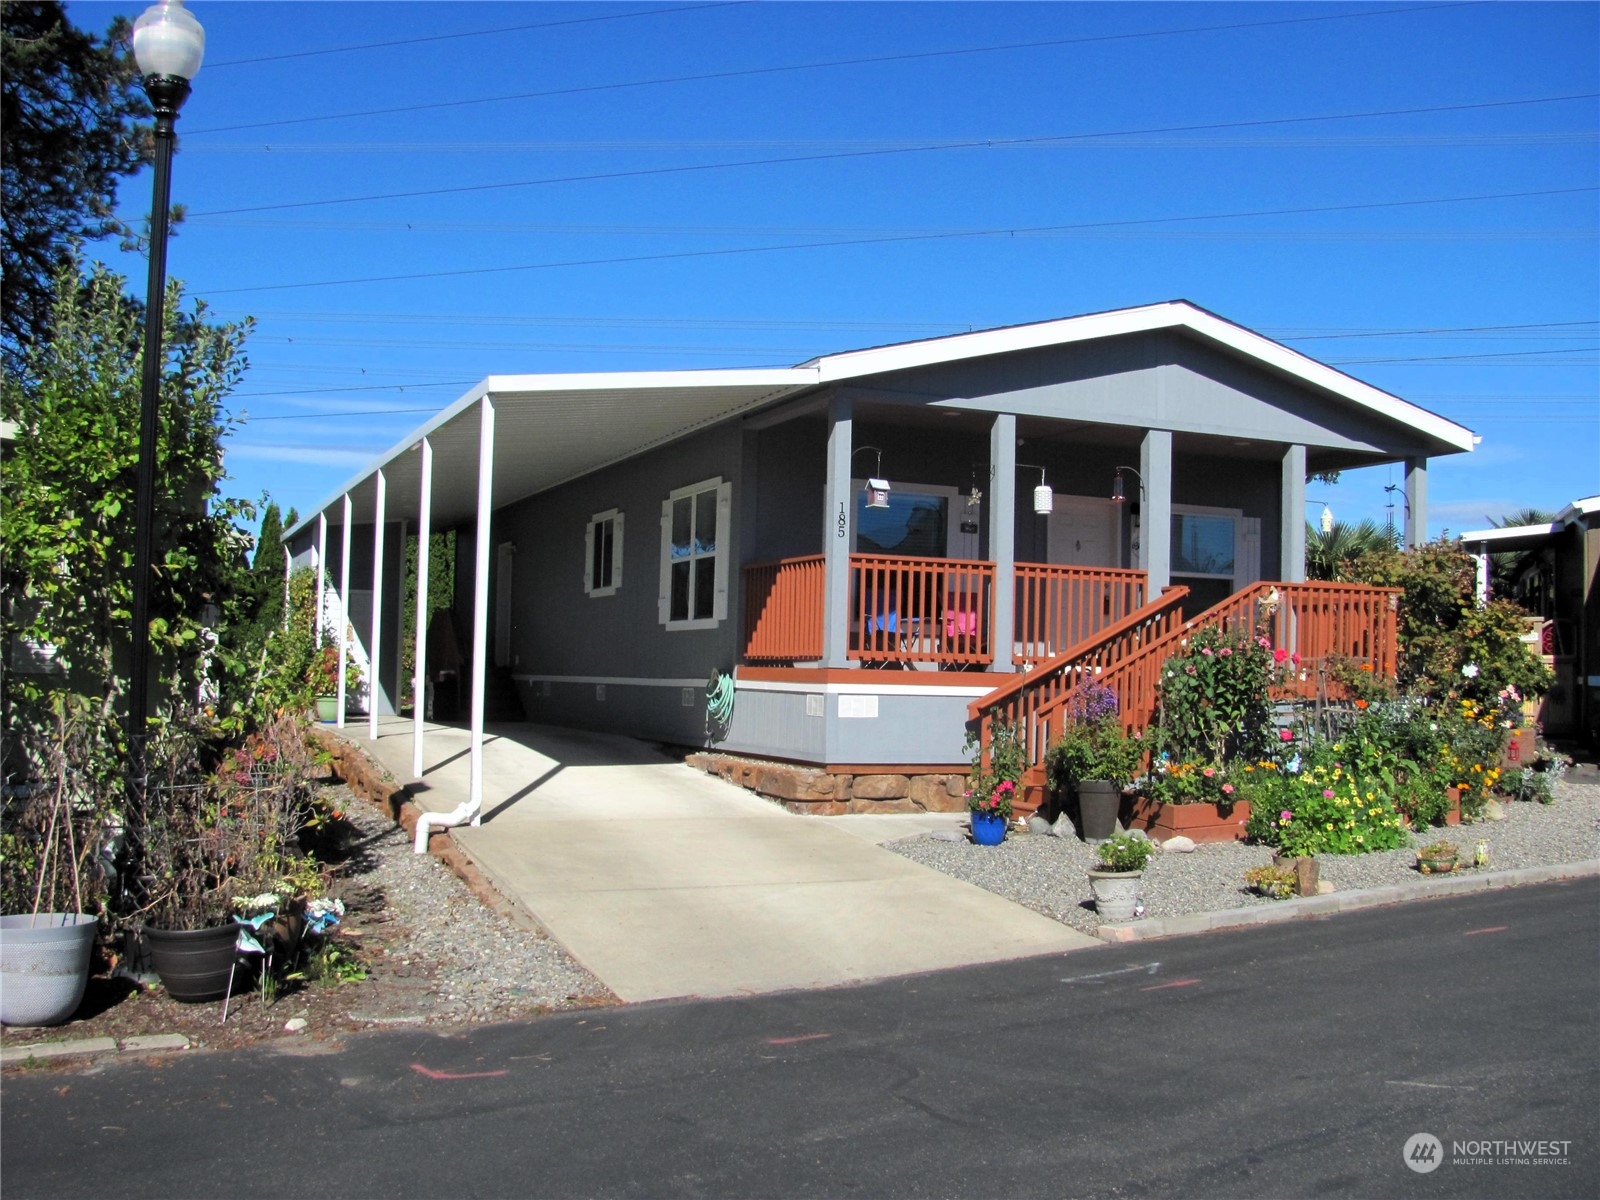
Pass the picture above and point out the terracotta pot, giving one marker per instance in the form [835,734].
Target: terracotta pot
[1199,822]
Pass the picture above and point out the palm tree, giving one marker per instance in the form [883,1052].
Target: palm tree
[1327,552]
[1521,574]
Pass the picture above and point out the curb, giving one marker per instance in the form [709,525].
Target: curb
[1337,902]
[143,1044]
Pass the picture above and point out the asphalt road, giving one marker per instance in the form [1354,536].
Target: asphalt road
[1287,1060]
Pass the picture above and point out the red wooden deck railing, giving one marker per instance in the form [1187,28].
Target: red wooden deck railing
[907,610]
[1058,607]
[783,610]
[1314,620]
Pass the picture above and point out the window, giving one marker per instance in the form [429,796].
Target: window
[694,555]
[1214,553]
[602,554]
[920,522]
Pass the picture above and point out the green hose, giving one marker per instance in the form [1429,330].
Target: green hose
[719,701]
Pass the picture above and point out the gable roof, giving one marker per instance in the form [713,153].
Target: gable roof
[556,428]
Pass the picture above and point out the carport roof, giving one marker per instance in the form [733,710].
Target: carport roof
[550,429]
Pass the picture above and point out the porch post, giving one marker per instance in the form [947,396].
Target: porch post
[480,604]
[375,644]
[1003,534]
[1480,560]
[1416,501]
[344,607]
[288,570]
[1155,515]
[419,696]
[321,561]
[1292,540]
[836,535]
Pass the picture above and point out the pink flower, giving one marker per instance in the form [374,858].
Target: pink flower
[1005,785]
[1227,789]
[1209,772]
[1206,651]
[1286,815]
[1285,735]
[1188,670]
[1225,652]
[1295,658]
[1264,643]
[1280,655]
[1327,793]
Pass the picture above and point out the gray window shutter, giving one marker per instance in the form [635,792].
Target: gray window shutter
[664,596]
[724,550]
[588,558]
[616,553]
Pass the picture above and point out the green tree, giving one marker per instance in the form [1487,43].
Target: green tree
[67,525]
[71,126]
[1526,576]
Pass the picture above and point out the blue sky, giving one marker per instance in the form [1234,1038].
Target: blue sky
[509,188]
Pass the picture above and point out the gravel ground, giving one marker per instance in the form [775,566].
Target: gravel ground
[1050,874]
[436,954]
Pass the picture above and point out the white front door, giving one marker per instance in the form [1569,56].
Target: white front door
[1083,532]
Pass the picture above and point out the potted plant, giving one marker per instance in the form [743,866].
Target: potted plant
[54,829]
[1437,858]
[1116,881]
[994,783]
[324,679]
[1093,760]
[1272,881]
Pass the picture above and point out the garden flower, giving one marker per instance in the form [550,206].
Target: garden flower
[1327,793]
[1206,650]
[1295,658]
[1280,655]
[1227,789]
[1285,735]
[1225,652]
[1470,670]
[1286,816]
[1209,772]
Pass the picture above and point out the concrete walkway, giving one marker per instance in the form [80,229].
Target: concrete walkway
[666,882]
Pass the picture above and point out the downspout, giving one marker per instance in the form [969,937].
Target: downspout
[469,810]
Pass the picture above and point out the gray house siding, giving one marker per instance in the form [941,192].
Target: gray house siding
[607,661]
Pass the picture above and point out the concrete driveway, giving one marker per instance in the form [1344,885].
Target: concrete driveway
[666,882]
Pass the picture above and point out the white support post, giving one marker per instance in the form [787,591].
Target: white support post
[375,646]
[1416,502]
[480,603]
[419,684]
[321,565]
[288,570]
[1292,516]
[1155,514]
[344,607]
[836,534]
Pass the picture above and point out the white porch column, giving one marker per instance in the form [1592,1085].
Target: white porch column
[419,695]
[480,603]
[836,535]
[288,570]
[320,562]
[344,606]
[1155,514]
[1003,534]
[374,670]
[1292,539]
[1416,501]
[1480,558]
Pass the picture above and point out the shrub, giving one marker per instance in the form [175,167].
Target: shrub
[1326,807]
[1124,852]
[1214,697]
[1093,745]
[994,786]
[1190,783]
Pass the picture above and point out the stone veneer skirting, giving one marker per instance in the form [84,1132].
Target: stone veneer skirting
[828,794]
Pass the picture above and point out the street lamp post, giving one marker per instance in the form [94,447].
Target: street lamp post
[168,44]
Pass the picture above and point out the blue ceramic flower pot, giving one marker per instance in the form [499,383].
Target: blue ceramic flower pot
[988,829]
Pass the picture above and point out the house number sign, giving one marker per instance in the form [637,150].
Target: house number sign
[843,523]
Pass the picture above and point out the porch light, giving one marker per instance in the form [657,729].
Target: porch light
[1327,519]
[1116,483]
[877,489]
[1044,499]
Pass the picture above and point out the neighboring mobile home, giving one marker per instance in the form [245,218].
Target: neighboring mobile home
[868,543]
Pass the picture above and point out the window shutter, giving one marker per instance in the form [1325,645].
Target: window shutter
[616,553]
[664,594]
[719,609]
[588,558]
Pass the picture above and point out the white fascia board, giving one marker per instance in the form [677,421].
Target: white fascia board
[1510,533]
[1579,508]
[648,381]
[1173,314]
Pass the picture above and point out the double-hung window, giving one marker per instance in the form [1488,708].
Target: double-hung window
[694,555]
[602,554]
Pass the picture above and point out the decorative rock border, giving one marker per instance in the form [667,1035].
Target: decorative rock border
[815,792]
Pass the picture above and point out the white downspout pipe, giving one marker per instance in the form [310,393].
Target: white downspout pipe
[322,567]
[470,810]
[288,570]
[344,608]
[380,498]
[419,681]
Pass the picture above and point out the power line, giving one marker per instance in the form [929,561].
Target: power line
[1501,354]
[930,147]
[748,72]
[447,37]
[730,252]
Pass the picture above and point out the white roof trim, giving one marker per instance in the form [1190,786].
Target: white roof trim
[526,385]
[1510,533]
[1175,314]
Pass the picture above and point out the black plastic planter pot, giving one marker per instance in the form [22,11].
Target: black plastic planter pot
[194,964]
[1098,802]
